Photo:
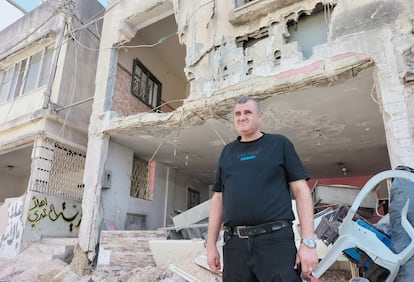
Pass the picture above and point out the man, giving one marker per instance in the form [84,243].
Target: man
[253,201]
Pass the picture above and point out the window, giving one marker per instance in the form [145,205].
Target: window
[193,198]
[26,75]
[145,86]
[240,3]
[142,179]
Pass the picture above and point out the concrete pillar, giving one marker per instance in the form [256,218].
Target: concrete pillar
[399,127]
[98,144]
[396,88]
[92,214]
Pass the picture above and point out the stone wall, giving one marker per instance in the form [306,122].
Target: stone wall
[126,250]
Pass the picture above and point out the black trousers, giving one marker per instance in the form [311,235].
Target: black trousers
[263,258]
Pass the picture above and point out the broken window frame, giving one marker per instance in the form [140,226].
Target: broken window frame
[26,75]
[145,86]
[240,3]
[142,179]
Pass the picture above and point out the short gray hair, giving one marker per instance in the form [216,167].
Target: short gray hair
[246,99]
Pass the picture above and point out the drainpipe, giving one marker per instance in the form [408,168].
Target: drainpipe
[167,185]
[59,41]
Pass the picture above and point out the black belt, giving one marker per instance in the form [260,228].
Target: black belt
[248,231]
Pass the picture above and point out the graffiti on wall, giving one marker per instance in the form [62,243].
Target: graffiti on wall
[11,238]
[41,210]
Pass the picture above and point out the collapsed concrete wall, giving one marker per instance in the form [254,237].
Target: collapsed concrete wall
[226,54]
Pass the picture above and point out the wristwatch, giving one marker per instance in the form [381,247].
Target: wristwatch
[310,243]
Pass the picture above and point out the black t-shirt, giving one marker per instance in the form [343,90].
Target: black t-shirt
[254,176]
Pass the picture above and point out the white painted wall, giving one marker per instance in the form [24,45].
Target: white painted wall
[115,199]
[48,215]
[11,230]
[116,202]
[182,182]
[22,105]
[12,186]
[154,210]
[174,84]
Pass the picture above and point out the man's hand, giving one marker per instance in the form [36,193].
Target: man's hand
[214,224]
[213,260]
[308,258]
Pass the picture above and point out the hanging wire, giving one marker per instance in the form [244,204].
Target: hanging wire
[73,84]
[30,33]
[156,151]
[215,130]
[161,40]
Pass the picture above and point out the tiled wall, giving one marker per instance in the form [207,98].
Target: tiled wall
[127,250]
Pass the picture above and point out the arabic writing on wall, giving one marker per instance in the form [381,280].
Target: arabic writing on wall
[41,210]
[11,238]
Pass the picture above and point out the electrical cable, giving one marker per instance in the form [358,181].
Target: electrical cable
[161,40]
[90,32]
[94,20]
[72,29]
[54,13]
[165,38]
[218,135]
[198,8]
[156,151]
[80,43]
[28,35]
[74,78]
[165,103]
[372,95]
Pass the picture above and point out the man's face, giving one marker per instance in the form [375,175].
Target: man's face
[247,118]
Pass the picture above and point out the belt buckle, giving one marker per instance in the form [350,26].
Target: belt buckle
[277,226]
[238,232]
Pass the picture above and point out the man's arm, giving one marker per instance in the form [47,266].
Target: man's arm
[304,206]
[214,224]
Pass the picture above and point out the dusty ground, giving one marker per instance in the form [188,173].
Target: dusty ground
[336,276]
[36,264]
[152,274]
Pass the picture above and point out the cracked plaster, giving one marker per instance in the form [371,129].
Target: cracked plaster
[196,112]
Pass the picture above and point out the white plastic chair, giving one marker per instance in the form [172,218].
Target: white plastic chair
[353,235]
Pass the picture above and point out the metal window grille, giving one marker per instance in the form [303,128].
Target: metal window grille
[145,86]
[57,169]
[140,180]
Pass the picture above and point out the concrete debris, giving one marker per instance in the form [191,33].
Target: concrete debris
[188,277]
[167,251]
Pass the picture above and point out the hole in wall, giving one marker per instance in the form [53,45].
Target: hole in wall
[248,41]
[277,57]
[252,38]
[225,73]
[310,30]
[249,67]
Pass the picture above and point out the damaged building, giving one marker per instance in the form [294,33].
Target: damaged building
[336,77]
[47,71]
